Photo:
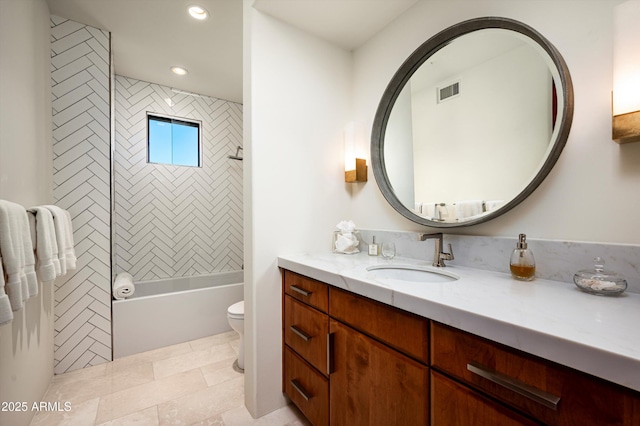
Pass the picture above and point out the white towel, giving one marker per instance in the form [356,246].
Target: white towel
[47,262]
[6,314]
[30,269]
[32,227]
[429,210]
[64,238]
[29,256]
[466,209]
[444,212]
[492,205]
[123,286]
[16,251]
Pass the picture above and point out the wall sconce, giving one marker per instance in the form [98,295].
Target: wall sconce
[358,173]
[355,164]
[626,72]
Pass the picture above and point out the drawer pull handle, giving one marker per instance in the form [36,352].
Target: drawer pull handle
[297,386]
[300,290]
[329,353]
[300,333]
[541,397]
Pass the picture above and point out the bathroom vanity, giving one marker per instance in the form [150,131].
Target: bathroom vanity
[369,341]
[361,348]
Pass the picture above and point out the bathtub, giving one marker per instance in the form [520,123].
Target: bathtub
[174,310]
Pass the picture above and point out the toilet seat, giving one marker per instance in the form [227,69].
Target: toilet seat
[236,310]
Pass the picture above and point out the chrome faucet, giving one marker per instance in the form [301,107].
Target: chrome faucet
[439,256]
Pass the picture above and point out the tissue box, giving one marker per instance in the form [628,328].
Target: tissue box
[338,240]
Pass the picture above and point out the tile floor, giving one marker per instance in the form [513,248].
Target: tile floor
[190,383]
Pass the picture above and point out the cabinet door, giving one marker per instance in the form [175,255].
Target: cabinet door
[372,384]
[453,404]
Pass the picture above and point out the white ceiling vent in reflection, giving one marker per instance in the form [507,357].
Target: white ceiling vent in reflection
[448,92]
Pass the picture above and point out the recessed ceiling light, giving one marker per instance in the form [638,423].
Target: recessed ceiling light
[198,12]
[179,70]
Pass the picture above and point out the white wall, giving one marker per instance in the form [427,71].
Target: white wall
[499,138]
[590,195]
[25,102]
[26,344]
[297,96]
[398,152]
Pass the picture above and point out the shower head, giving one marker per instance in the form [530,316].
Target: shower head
[237,156]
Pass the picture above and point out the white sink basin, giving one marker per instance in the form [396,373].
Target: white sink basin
[420,274]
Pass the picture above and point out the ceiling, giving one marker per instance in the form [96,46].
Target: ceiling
[150,36]
[465,53]
[346,23]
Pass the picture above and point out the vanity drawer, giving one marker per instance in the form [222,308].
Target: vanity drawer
[547,391]
[306,331]
[455,404]
[307,290]
[404,331]
[306,388]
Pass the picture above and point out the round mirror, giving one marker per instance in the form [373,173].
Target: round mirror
[471,123]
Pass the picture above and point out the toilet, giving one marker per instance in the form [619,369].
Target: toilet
[235,316]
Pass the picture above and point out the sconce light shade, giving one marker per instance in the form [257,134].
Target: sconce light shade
[626,73]
[355,166]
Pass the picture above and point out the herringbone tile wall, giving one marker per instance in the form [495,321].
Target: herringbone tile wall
[176,221]
[81,150]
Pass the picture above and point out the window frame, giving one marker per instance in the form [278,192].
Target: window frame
[178,120]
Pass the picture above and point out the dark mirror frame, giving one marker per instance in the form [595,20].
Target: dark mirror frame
[407,69]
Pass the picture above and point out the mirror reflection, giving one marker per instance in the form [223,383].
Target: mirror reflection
[471,131]
[487,100]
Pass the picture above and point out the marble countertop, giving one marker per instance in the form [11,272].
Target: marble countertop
[550,319]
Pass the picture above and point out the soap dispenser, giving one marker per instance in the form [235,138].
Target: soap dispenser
[522,265]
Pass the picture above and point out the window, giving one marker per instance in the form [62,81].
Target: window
[173,141]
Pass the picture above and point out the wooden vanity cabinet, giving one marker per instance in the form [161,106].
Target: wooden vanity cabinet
[371,361]
[349,360]
[545,391]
